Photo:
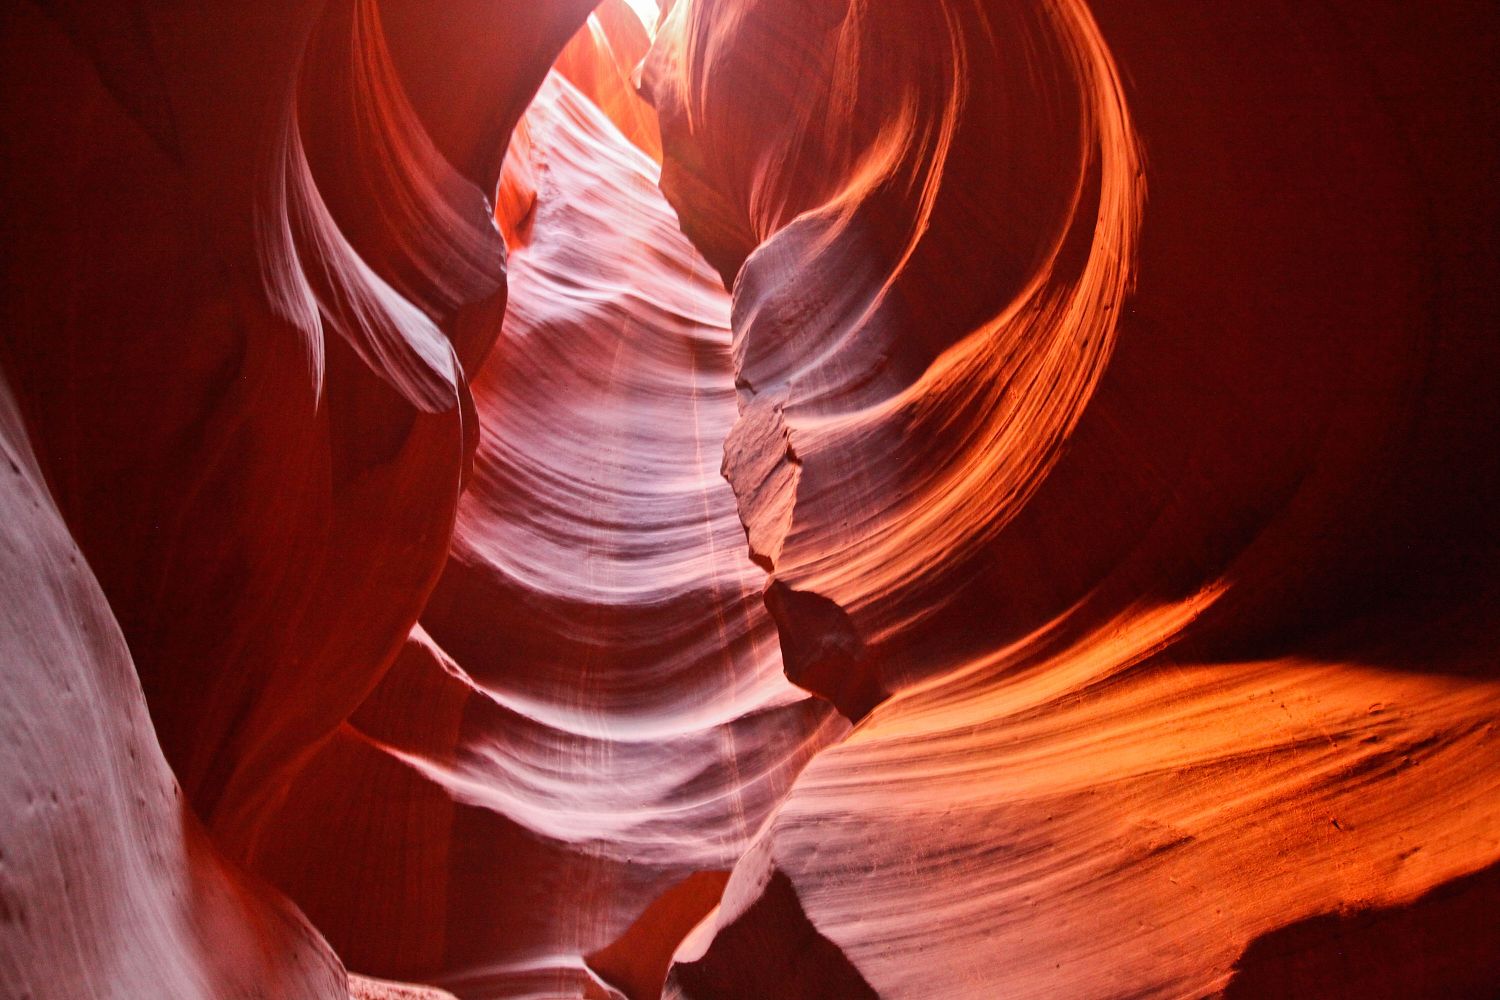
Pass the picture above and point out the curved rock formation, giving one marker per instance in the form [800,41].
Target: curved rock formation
[923,499]
[1110,490]
[108,885]
[238,334]
[613,709]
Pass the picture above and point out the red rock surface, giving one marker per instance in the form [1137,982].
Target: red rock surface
[1135,448]
[1061,564]
[108,885]
[605,709]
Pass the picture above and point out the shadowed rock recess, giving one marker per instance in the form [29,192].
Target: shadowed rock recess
[786,499]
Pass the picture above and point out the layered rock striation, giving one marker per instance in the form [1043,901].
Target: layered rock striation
[775,500]
[1091,364]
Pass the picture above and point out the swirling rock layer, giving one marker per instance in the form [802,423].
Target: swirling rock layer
[919,499]
[607,718]
[1097,453]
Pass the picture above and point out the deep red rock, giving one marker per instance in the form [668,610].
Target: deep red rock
[953,498]
[1093,369]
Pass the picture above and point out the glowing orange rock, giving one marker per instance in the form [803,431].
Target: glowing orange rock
[1064,566]
[1077,405]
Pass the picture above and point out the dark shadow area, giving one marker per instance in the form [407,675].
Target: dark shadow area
[773,950]
[1444,944]
[822,652]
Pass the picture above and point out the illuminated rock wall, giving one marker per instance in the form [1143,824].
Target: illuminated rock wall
[926,499]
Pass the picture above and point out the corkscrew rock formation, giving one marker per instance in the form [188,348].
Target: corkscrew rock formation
[757,499]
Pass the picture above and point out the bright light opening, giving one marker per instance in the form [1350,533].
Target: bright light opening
[648,11]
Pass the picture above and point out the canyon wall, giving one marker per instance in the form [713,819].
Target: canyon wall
[921,500]
[248,265]
[1114,403]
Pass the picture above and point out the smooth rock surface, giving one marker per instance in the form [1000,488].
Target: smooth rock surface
[937,498]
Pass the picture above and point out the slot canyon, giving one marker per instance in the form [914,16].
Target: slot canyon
[749,500]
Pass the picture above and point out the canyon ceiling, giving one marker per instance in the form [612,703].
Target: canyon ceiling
[778,499]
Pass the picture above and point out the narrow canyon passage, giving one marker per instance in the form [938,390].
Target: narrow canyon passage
[749,500]
[602,712]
